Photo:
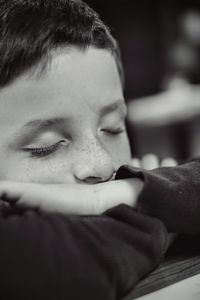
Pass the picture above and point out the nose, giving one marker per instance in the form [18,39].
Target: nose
[93,164]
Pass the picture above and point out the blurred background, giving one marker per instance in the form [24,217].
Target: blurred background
[160,44]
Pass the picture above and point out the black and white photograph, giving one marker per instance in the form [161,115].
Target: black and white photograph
[99,150]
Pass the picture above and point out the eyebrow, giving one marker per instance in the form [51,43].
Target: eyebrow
[42,124]
[117,105]
[34,127]
[39,125]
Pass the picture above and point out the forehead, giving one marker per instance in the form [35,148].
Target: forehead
[74,79]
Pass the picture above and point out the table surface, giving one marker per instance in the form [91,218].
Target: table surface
[188,289]
[180,267]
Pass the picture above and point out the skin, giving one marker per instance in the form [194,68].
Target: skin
[65,127]
[91,143]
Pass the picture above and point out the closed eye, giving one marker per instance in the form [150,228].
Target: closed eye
[113,130]
[44,151]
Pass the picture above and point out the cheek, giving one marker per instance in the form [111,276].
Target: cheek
[36,170]
[120,151]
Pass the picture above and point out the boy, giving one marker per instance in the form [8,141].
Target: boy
[63,139]
[62,116]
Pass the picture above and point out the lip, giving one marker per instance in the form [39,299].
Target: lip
[113,176]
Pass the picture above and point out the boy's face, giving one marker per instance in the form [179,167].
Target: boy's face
[66,125]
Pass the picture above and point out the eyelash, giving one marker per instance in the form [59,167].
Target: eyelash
[114,131]
[44,151]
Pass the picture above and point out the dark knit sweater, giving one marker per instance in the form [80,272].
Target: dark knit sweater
[49,256]
[171,194]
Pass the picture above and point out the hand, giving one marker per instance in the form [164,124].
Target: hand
[71,198]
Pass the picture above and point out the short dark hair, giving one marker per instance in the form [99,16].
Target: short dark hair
[31,29]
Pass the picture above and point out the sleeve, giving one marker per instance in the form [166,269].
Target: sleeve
[171,194]
[47,256]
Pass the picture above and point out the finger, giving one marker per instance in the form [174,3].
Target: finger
[168,162]
[150,161]
[11,191]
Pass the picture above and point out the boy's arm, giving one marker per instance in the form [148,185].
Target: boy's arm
[76,199]
[49,256]
[171,194]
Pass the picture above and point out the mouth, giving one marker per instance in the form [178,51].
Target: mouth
[113,176]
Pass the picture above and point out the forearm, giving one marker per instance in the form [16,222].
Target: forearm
[71,199]
[113,193]
[102,257]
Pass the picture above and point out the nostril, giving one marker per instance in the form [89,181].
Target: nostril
[96,179]
[93,180]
